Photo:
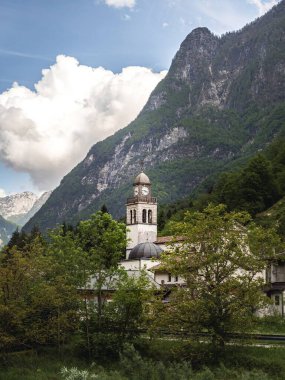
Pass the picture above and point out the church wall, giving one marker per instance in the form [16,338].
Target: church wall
[139,264]
[140,233]
[138,208]
[164,278]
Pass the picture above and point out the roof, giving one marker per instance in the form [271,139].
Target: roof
[142,179]
[145,250]
[168,239]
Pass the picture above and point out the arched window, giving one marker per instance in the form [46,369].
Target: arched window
[149,216]
[135,216]
[144,216]
[131,213]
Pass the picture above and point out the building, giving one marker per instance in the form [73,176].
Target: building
[144,247]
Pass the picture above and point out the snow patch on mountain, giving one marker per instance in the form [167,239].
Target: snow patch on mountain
[19,208]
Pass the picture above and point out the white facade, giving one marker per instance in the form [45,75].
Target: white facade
[140,264]
[140,233]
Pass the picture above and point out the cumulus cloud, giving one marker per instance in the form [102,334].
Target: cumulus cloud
[120,3]
[2,193]
[46,132]
[263,6]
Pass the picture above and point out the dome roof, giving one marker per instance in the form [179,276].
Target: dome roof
[142,179]
[145,250]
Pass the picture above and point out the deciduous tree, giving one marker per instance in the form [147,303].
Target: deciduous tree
[221,260]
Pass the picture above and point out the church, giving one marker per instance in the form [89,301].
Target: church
[144,247]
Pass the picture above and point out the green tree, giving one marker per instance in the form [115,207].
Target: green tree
[102,243]
[127,306]
[38,297]
[252,189]
[221,260]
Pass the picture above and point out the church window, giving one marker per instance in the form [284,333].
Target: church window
[277,300]
[131,214]
[135,216]
[169,277]
[144,216]
[176,278]
[149,216]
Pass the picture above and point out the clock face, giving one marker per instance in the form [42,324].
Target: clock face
[136,190]
[145,190]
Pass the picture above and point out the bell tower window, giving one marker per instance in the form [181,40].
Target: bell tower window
[135,216]
[131,216]
[144,216]
[149,216]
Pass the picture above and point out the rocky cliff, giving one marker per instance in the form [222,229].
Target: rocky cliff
[222,100]
[19,208]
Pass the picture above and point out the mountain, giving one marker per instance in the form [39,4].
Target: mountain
[6,230]
[221,102]
[14,207]
[19,208]
[36,206]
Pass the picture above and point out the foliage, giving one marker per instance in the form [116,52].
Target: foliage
[53,289]
[256,188]
[37,304]
[221,260]
[133,367]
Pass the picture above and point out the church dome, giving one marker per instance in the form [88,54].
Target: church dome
[142,179]
[145,250]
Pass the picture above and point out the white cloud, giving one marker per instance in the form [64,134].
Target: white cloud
[263,6]
[46,132]
[120,3]
[165,24]
[230,18]
[2,193]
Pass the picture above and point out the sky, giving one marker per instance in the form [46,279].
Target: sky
[73,72]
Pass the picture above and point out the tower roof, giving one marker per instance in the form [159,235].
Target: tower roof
[145,250]
[142,179]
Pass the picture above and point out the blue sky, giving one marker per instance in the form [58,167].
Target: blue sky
[114,34]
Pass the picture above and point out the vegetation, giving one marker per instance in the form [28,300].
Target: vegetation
[220,259]
[48,288]
[255,187]
[55,298]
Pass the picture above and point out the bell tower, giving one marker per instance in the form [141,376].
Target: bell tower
[141,214]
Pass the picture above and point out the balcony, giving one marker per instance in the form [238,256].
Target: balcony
[142,199]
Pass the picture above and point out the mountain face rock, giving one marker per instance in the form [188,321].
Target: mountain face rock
[221,101]
[19,208]
[14,207]
[36,206]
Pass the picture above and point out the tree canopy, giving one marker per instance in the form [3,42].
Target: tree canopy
[221,260]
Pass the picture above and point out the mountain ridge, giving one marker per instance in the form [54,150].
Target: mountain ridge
[222,100]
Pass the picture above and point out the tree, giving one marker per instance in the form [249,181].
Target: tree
[102,242]
[221,260]
[38,296]
[127,306]
[253,188]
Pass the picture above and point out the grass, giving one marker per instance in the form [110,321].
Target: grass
[29,365]
[157,358]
